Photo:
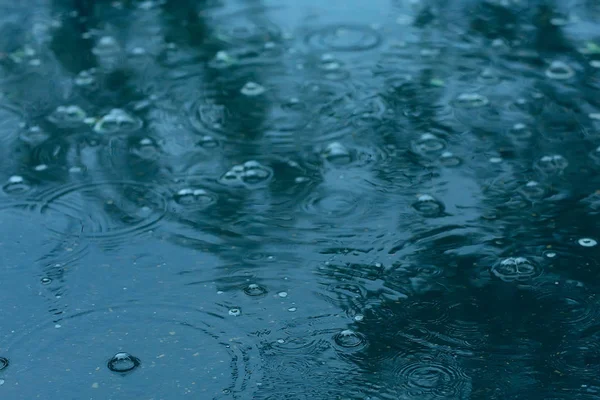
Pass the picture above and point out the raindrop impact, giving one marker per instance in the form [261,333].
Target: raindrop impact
[349,339]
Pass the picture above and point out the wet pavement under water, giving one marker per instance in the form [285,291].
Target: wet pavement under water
[385,199]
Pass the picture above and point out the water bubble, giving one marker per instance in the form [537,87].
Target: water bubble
[359,317]
[587,242]
[337,153]
[349,339]
[515,269]
[448,159]
[16,185]
[520,131]
[67,115]
[208,142]
[428,206]
[292,309]
[552,164]
[117,120]
[34,136]
[194,197]
[559,70]
[123,362]
[46,281]
[471,100]
[3,363]
[235,312]
[532,190]
[86,78]
[252,89]
[255,290]
[429,143]
[146,149]
[106,45]
[282,294]
[344,38]
[222,60]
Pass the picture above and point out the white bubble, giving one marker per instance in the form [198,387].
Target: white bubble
[359,317]
[252,89]
[559,70]
[234,312]
[282,294]
[587,242]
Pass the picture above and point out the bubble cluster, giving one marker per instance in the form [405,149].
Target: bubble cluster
[250,174]
[515,269]
[117,121]
[552,164]
[123,362]
[197,198]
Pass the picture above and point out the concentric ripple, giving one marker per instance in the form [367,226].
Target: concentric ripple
[431,377]
[344,37]
[141,342]
[107,209]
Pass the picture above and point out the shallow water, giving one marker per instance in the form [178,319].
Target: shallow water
[300,199]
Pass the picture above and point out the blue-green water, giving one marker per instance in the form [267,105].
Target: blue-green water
[377,199]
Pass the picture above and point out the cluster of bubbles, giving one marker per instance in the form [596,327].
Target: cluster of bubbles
[250,174]
[515,269]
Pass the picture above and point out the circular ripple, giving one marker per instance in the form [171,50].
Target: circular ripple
[332,204]
[578,359]
[180,341]
[108,209]
[344,37]
[430,377]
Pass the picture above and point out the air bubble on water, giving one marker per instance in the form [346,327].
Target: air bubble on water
[448,159]
[520,131]
[280,341]
[429,143]
[495,160]
[550,254]
[41,167]
[3,363]
[255,290]
[587,242]
[552,164]
[34,136]
[282,294]
[208,142]
[252,89]
[428,206]
[292,309]
[515,269]
[471,100]
[69,114]
[222,59]
[117,120]
[123,362]
[86,77]
[337,153]
[348,339]
[46,281]
[359,317]
[106,45]
[235,312]
[559,70]
[16,185]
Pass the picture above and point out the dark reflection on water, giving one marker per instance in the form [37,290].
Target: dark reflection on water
[291,200]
